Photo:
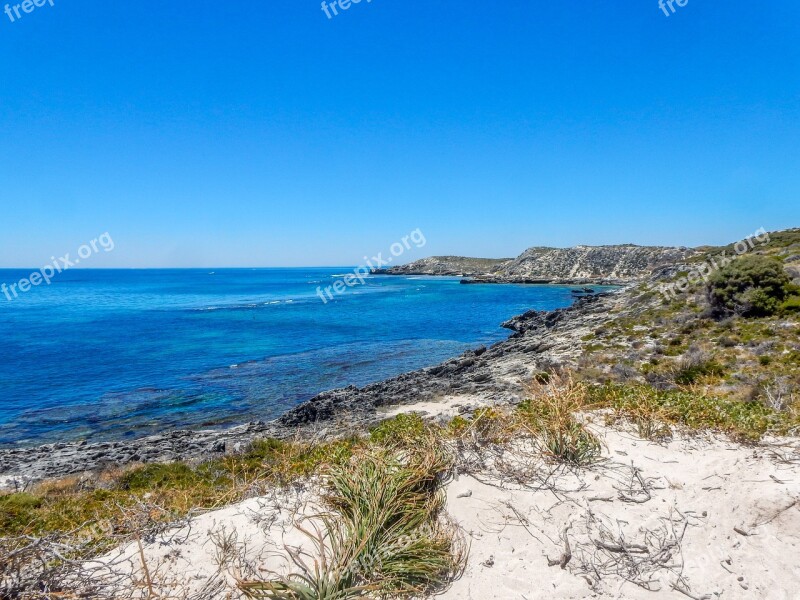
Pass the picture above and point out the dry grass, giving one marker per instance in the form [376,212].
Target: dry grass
[551,415]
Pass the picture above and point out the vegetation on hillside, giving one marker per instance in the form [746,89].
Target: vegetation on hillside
[735,338]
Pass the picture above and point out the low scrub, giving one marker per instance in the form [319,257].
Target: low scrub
[45,529]
[689,372]
[382,488]
[745,421]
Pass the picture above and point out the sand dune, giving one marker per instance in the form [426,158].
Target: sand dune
[697,517]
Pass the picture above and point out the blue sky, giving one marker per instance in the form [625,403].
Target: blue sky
[261,133]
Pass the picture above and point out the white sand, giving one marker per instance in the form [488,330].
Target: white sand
[711,486]
[699,490]
[445,407]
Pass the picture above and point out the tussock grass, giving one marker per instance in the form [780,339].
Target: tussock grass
[383,536]
[551,416]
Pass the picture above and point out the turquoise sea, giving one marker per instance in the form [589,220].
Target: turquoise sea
[109,354]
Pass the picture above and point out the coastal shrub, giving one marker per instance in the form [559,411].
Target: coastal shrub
[688,374]
[283,461]
[155,476]
[791,305]
[751,286]
[17,509]
[457,426]
[76,506]
[694,365]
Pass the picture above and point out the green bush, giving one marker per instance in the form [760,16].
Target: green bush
[405,427]
[752,286]
[746,421]
[791,305]
[688,374]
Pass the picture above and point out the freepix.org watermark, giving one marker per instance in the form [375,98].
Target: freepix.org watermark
[331,9]
[59,265]
[703,271]
[359,274]
[668,6]
[17,11]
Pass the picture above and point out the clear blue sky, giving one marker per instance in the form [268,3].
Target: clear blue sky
[261,133]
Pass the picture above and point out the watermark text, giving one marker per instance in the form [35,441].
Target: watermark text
[17,11]
[58,265]
[416,239]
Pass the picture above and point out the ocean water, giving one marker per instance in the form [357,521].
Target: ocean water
[111,354]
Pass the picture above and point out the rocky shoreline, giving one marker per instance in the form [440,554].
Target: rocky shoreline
[484,375]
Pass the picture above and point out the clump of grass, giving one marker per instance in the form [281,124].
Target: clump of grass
[490,426]
[550,414]
[650,418]
[650,427]
[570,443]
[689,372]
[382,537]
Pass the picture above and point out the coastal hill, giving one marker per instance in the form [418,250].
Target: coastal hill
[581,264]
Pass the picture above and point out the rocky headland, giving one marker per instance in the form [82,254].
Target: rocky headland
[450,266]
[602,265]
